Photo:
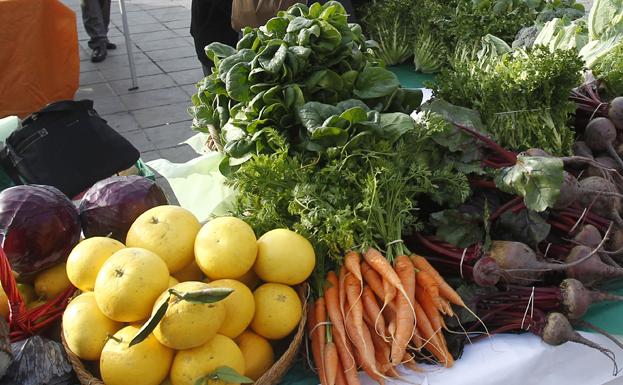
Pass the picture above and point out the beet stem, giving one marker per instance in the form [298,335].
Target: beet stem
[504,153]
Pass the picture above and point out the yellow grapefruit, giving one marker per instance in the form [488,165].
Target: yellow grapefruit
[168,231]
[86,259]
[193,364]
[190,272]
[86,328]
[257,352]
[128,284]
[284,257]
[277,311]
[146,363]
[225,247]
[187,324]
[52,282]
[239,306]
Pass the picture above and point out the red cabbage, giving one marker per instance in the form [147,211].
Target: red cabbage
[111,205]
[39,226]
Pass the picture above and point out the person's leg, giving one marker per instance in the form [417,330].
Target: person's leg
[93,20]
[106,4]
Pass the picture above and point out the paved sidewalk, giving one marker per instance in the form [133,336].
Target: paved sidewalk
[154,117]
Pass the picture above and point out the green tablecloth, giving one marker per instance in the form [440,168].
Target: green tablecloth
[608,315]
[409,78]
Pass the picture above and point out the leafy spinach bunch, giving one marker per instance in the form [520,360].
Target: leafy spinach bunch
[521,95]
[257,93]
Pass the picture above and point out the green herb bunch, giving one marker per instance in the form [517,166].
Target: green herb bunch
[521,95]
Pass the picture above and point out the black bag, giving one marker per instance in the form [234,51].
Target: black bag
[66,145]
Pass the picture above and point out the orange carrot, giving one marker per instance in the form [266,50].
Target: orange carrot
[431,341]
[405,321]
[373,310]
[432,313]
[373,279]
[445,290]
[316,348]
[320,335]
[428,283]
[376,260]
[382,352]
[417,339]
[409,362]
[344,349]
[355,307]
[390,292]
[362,340]
[342,290]
[331,359]
[341,377]
[351,261]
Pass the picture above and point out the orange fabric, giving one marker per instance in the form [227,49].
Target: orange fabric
[39,58]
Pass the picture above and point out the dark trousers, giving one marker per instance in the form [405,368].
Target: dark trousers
[96,17]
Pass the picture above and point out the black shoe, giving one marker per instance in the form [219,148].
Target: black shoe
[98,55]
[110,45]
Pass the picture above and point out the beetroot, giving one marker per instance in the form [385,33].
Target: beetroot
[615,112]
[591,270]
[576,298]
[580,148]
[111,205]
[558,330]
[602,197]
[600,135]
[606,162]
[588,236]
[39,227]
[569,191]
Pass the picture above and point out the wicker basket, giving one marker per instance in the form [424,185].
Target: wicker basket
[272,377]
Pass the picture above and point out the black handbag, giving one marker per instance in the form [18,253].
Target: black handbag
[66,145]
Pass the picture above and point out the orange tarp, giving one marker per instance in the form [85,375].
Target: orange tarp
[39,58]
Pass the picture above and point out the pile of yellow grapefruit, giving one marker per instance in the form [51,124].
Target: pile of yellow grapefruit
[153,290]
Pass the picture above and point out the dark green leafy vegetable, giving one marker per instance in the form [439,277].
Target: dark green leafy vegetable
[461,229]
[525,226]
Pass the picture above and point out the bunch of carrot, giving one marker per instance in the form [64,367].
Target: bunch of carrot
[375,316]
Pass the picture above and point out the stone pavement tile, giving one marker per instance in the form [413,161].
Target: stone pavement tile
[185,32]
[116,61]
[175,24]
[187,77]
[158,13]
[181,64]
[148,156]
[183,14]
[190,89]
[169,135]
[156,35]
[145,83]
[123,72]
[149,27]
[122,121]
[178,154]
[153,98]
[157,116]
[139,140]
[85,54]
[94,91]
[172,53]
[91,77]
[163,44]
[109,105]
[134,18]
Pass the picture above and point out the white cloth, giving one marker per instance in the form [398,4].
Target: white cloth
[510,359]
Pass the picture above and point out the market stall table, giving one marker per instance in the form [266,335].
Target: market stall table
[39,58]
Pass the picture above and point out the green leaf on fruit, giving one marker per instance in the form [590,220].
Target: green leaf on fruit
[151,323]
[225,374]
[209,295]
